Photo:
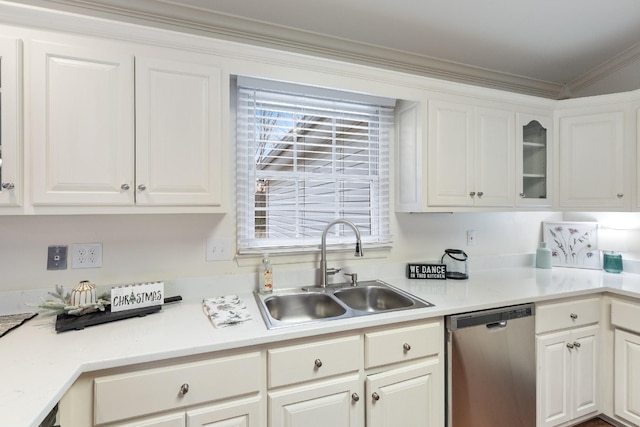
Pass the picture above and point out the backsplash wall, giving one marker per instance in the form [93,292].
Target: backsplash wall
[164,247]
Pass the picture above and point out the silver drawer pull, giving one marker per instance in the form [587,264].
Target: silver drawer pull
[480,193]
[406,346]
[569,345]
[576,344]
[355,397]
[472,194]
[375,396]
[573,316]
[620,195]
[124,187]
[318,363]
[142,187]
[8,185]
[184,389]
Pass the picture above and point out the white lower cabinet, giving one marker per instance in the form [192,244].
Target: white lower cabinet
[398,380]
[407,397]
[624,317]
[567,362]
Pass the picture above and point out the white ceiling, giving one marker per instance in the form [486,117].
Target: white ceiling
[523,45]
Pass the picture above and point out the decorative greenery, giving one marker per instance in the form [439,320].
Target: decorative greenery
[62,304]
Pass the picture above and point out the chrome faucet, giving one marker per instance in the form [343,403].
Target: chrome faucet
[326,272]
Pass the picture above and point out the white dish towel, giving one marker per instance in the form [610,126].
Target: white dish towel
[226,311]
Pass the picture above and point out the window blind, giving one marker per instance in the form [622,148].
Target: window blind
[305,160]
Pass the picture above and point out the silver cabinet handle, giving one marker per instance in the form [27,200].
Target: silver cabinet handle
[573,316]
[184,389]
[375,396]
[620,195]
[124,187]
[576,344]
[8,185]
[318,363]
[406,346]
[355,397]
[480,193]
[472,194]
[142,187]
[569,345]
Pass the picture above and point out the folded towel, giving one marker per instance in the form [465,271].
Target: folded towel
[226,311]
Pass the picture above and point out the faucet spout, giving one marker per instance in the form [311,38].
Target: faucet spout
[323,255]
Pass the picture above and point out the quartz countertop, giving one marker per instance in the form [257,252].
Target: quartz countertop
[39,365]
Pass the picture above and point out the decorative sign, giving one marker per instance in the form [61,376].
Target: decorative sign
[427,271]
[137,296]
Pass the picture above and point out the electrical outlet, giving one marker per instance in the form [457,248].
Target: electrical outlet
[219,249]
[57,258]
[86,255]
[471,237]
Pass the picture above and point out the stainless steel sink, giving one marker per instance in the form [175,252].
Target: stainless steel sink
[290,307]
[373,298]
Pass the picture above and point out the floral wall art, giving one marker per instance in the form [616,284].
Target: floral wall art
[573,244]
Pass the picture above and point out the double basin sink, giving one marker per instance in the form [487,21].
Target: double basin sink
[292,307]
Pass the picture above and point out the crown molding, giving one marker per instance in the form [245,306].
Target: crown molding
[170,16]
[605,69]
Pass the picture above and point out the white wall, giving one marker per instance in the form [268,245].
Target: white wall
[164,247]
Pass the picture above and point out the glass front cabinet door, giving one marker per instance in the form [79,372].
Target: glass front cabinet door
[534,161]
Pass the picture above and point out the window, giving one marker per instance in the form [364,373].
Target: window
[307,156]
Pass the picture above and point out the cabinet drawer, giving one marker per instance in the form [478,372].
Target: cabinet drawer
[625,315]
[394,345]
[126,395]
[314,360]
[562,315]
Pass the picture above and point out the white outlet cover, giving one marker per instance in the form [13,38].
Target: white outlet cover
[219,249]
[86,255]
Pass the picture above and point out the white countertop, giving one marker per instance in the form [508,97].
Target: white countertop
[38,365]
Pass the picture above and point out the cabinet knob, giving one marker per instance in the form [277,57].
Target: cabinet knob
[472,194]
[184,389]
[573,316]
[375,396]
[620,195]
[8,185]
[355,397]
[480,193]
[522,196]
[318,363]
[125,187]
[406,346]
[576,344]
[142,187]
[569,345]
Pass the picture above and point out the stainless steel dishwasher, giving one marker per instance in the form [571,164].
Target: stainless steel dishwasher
[491,377]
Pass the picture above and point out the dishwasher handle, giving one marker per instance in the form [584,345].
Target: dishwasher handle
[497,325]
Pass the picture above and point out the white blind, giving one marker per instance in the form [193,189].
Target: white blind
[305,160]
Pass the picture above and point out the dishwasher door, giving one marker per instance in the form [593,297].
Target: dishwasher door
[491,368]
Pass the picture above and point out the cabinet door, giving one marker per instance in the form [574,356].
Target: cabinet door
[410,189]
[178,142]
[627,376]
[169,420]
[494,158]
[533,160]
[81,123]
[584,371]
[592,162]
[450,154]
[333,403]
[238,413]
[553,379]
[10,145]
[407,397]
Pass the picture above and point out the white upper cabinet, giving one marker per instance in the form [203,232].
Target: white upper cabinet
[533,160]
[177,133]
[81,124]
[594,164]
[11,189]
[470,156]
[106,135]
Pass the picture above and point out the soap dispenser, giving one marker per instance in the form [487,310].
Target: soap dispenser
[543,256]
